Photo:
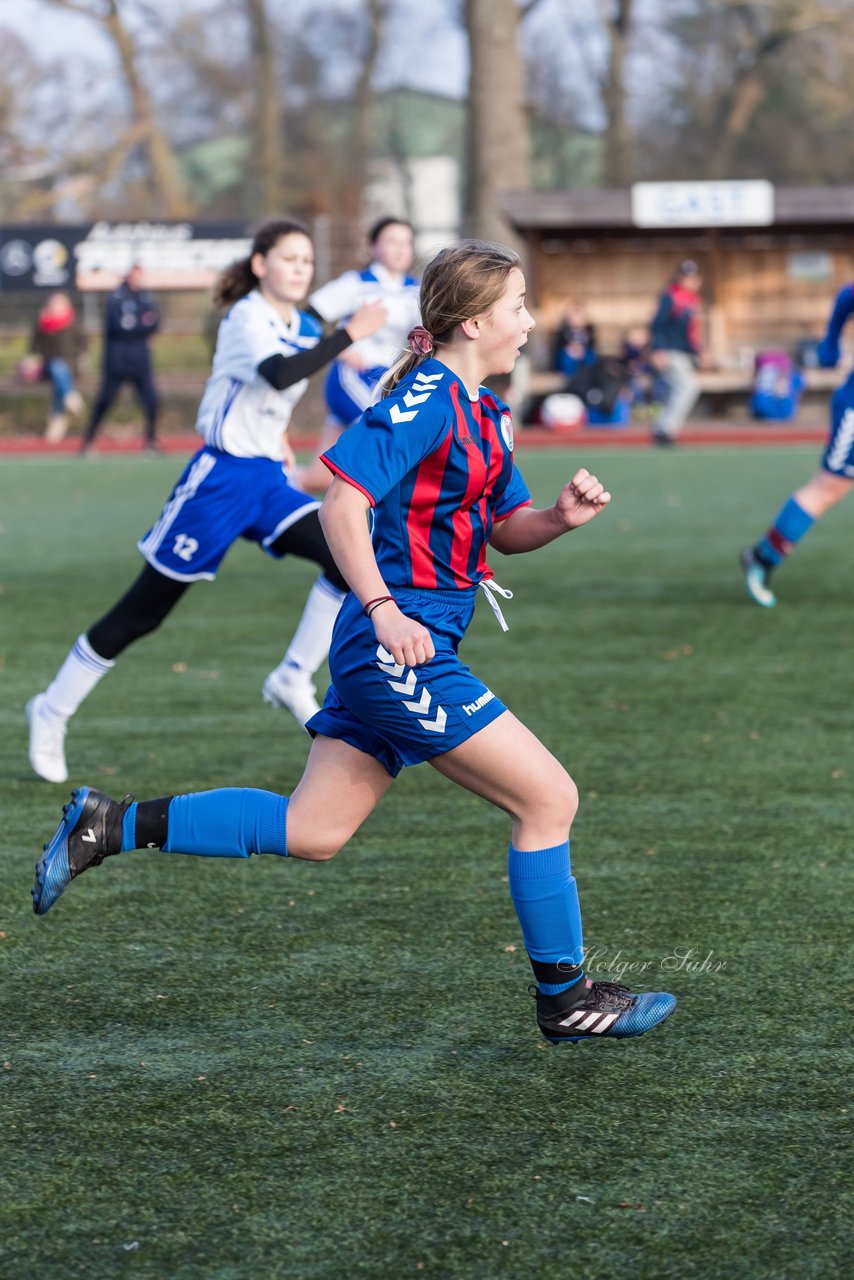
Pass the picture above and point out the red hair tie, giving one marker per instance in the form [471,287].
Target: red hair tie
[420,340]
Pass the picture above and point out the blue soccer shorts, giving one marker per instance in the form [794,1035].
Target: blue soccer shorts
[404,715]
[218,499]
[349,392]
[838,456]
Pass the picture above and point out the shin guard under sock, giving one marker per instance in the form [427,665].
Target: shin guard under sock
[232,822]
[545,896]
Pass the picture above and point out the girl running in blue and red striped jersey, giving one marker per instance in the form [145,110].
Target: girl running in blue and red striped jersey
[830,484]
[433,463]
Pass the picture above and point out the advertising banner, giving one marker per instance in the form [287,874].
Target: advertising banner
[97,256]
[703,204]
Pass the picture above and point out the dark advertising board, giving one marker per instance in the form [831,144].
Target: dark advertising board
[97,256]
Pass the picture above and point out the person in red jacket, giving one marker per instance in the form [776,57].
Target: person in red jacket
[58,341]
[676,347]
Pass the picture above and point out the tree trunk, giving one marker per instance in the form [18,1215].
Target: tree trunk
[268,154]
[498,143]
[357,159]
[165,173]
[749,92]
[168,185]
[617,166]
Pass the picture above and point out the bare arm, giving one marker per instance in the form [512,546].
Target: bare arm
[528,528]
[342,517]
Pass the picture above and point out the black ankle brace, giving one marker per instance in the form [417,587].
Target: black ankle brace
[555,974]
[152,823]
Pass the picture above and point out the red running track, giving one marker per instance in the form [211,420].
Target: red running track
[536,437]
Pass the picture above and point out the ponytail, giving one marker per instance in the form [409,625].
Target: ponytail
[406,364]
[234,283]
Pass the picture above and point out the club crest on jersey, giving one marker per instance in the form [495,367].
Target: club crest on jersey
[506,425]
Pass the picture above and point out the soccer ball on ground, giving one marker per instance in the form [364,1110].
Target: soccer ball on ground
[563,412]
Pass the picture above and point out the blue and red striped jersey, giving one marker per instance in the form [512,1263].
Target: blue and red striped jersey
[438,471]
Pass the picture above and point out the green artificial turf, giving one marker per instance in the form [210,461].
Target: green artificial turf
[220,1070]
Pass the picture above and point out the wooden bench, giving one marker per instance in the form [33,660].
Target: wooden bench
[718,386]
[542,382]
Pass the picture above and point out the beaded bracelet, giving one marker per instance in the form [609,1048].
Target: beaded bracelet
[375,604]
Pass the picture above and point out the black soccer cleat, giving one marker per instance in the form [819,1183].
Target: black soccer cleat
[600,1010]
[90,830]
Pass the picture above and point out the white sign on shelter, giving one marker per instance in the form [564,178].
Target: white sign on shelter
[703,204]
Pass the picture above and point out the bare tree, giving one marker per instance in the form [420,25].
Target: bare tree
[762,32]
[359,132]
[268,152]
[499,148]
[750,88]
[166,179]
[617,168]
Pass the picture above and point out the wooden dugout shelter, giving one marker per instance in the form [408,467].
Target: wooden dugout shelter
[765,286]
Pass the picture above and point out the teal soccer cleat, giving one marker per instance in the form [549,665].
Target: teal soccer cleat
[756,576]
[600,1011]
[90,830]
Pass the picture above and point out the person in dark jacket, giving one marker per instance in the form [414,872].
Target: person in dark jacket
[575,341]
[58,341]
[132,318]
[676,347]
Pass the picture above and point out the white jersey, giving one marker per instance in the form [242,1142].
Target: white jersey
[240,412]
[337,300]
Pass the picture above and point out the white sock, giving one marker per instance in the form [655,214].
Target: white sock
[75,679]
[312,638]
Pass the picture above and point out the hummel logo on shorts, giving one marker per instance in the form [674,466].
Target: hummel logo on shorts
[471,707]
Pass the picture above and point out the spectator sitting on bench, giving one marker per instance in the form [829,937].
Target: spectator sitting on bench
[575,341]
[645,384]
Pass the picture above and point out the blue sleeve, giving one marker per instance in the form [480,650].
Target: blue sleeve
[515,495]
[377,452]
[828,348]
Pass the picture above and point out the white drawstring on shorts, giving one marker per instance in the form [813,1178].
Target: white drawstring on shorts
[490,590]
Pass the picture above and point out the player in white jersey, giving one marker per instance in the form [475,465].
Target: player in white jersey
[352,382]
[237,485]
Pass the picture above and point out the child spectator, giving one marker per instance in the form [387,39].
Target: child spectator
[58,341]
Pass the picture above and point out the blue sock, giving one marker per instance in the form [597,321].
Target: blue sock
[545,896]
[791,524]
[233,822]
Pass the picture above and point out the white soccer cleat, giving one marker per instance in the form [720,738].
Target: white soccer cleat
[293,691]
[47,741]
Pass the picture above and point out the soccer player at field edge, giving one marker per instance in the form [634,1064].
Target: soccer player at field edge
[237,485]
[353,380]
[830,484]
[433,462]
